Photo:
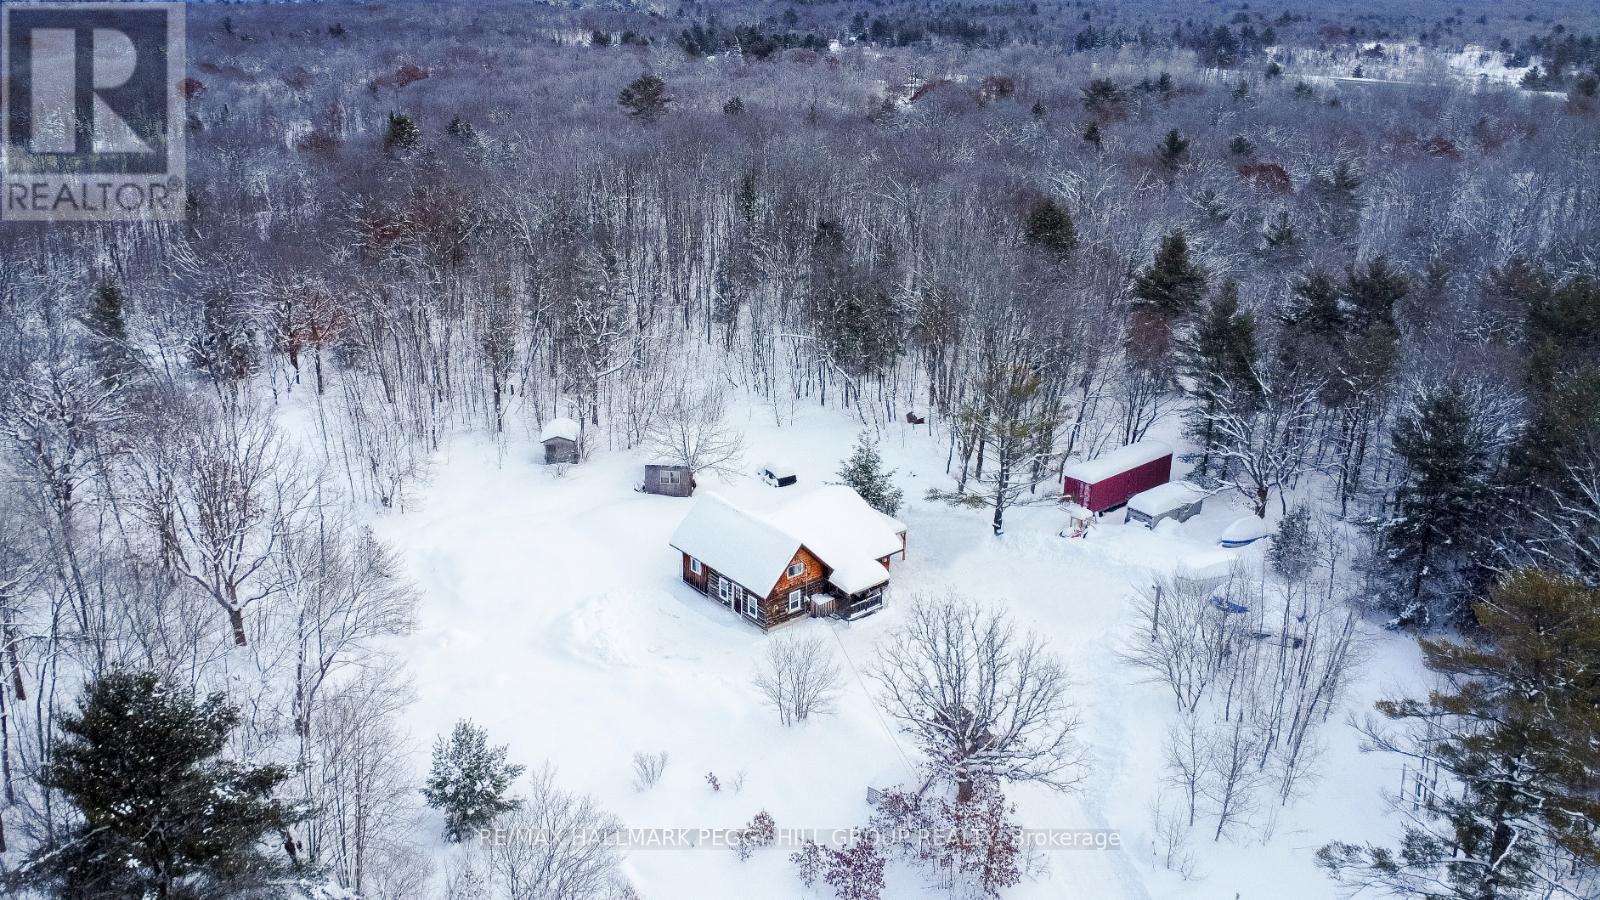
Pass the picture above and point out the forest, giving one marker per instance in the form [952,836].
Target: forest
[1349,254]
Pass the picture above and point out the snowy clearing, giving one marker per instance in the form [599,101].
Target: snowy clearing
[552,613]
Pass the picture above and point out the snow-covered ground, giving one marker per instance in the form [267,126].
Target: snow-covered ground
[552,613]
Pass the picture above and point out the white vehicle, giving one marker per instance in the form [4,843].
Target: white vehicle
[777,474]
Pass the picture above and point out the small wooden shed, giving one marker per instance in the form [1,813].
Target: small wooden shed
[560,440]
[669,480]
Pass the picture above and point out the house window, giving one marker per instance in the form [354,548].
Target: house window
[694,565]
[725,591]
[796,570]
[796,600]
[752,606]
[670,476]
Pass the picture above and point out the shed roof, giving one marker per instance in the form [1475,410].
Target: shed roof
[563,428]
[858,574]
[1165,498]
[1116,462]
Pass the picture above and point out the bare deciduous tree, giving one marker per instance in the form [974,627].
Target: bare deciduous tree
[693,431]
[239,494]
[981,700]
[554,847]
[798,677]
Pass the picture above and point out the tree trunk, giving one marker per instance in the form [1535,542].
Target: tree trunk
[236,619]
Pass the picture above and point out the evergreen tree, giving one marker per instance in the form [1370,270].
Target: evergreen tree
[1049,226]
[468,780]
[1515,733]
[1313,327]
[163,813]
[1218,360]
[1432,542]
[1091,135]
[1105,98]
[402,133]
[1294,548]
[1174,149]
[108,334]
[1172,286]
[645,98]
[1336,193]
[863,472]
[1371,294]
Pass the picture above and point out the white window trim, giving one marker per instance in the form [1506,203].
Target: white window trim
[725,591]
[694,566]
[797,600]
[752,607]
[796,570]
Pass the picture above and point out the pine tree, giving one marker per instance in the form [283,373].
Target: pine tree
[1105,98]
[1218,359]
[1294,548]
[1174,149]
[108,334]
[1172,286]
[1049,226]
[402,134]
[645,98]
[863,472]
[1515,733]
[1091,135]
[1313,328]
[164,814]
[1432,541]
[469,779]
[1372,292]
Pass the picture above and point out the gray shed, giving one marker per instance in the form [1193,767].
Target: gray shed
[1173,500]
[560,440]
[670,481]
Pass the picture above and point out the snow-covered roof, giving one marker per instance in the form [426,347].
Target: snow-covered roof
[835,524]
[1246,528]
[735,542]
[857,574]
[559,428]
[778,468]
[832,521]
[1116,462]
[1165,498]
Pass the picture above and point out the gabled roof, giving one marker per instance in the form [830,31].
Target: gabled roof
[832,521]
[835,523]
[735,542]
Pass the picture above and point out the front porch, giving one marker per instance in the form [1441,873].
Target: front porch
[837,605]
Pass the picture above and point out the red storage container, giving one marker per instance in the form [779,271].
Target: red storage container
[1107,481]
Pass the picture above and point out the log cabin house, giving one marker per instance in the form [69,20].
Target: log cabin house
[825,553]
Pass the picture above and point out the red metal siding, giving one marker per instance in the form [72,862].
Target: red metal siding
[1115,490]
